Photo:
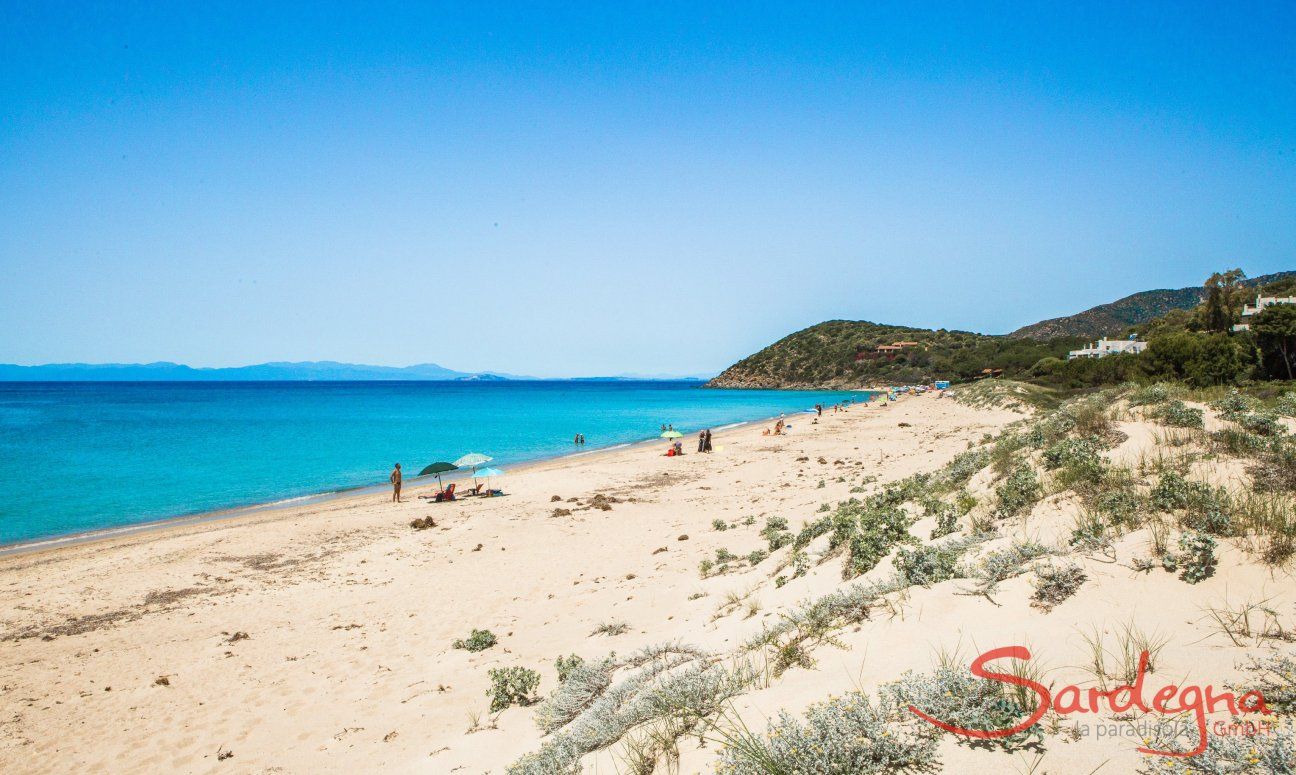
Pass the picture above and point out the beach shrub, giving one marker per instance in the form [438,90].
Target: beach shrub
[955,696]
[1236,441]
[1019,492]
[927,565]
[1261,423]
[756,557]
[1276,469]
[479,640]
[566,666]
[1090,533]
[776,533]
[611,629]
[1235,403]
[1286,404]
[847,735]
[946,523]
[1173,492]
[670,686]
[719,524]
[1005,564]
[1055,583]
[1196,558]
[510,686]
[1120,506]
[1208,511]
[878,529]
[1226,754]
[705,567]
[1274,676]
[1076,460]
[963,467]
[1177,414]
[1150,394]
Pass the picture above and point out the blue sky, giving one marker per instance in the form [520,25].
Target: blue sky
[560,189]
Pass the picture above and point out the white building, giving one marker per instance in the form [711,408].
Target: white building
[1261,303]
[1109,347]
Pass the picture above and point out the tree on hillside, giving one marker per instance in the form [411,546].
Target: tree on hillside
[1197,358]
[1275,333]
[1225,295]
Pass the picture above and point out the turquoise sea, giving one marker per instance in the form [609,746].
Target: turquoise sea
[77,457]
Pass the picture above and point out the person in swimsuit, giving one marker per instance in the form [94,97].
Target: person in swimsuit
[396,483]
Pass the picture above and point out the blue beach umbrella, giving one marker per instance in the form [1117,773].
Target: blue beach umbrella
[487,473]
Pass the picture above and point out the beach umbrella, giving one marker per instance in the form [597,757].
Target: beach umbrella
[437,469]
[672,435]
[487,473]
[473,459]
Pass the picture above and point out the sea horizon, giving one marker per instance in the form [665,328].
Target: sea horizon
[142,454]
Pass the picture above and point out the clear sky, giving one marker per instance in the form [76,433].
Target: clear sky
[594,188]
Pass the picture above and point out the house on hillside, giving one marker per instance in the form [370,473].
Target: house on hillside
[1261,303]
[1105,347]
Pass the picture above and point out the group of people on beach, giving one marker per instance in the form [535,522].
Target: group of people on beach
[704,441]
[579,440]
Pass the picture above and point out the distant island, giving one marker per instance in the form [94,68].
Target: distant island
[278,371]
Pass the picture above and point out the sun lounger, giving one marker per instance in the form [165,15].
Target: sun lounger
[448,494]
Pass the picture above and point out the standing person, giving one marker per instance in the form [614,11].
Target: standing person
[701,441]
[395,479]
[707,443]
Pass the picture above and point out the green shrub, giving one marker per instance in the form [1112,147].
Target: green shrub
[1286,405]
[956,697]
[1173,492]
[963,467]
[1196,558]
[1150,394]
[510,686]
[848,735]
[479,640]
[1055,583]
[1260,423]
[1274,676]
[946,523]
[1005,564]
[877,530]
[1078,460]
[756,557]
[719,524]
[1120,506]
[1019,492]
[1235,403]
[1264,754]
[927,565]
[566,665]
[1177,414]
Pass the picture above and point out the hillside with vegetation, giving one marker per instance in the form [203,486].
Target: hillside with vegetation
[1136,309]
[1195,345]
[843,353]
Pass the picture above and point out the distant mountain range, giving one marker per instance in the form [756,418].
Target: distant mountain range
[1135,309]
[301,371]
[165,371]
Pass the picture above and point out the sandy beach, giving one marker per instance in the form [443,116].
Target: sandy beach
[317,638]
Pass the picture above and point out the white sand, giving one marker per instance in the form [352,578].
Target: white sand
[349,613]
